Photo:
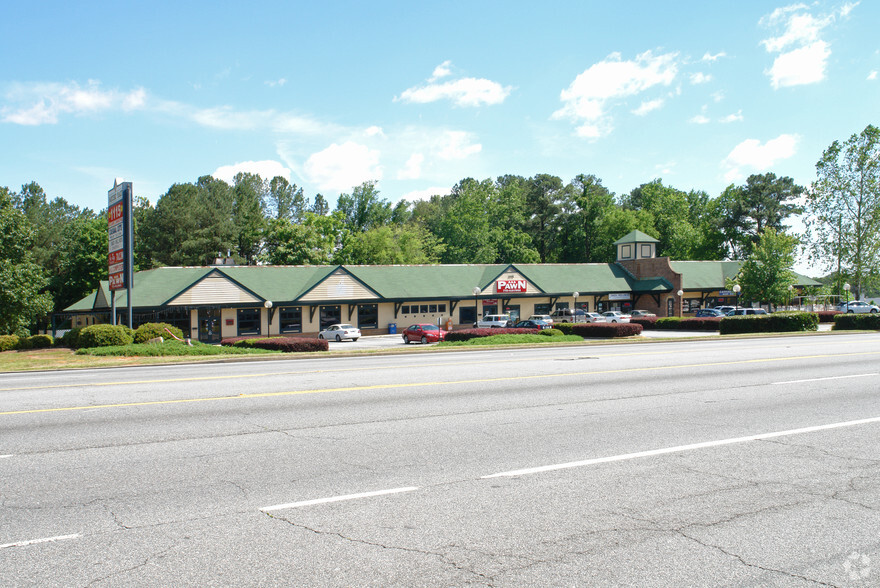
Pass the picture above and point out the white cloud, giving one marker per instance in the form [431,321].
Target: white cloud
[872,75]
[593,92]
[733,117]
[413,168]
[803,54]
[374,131]
[45,103]
[267,170]
[341,167]
[273,83]
[648,106]
[752,154]
[800,66]
[718,96]
[709,58]
[462,92]
[457,145]
[700,78]
[700,119]
[441,71]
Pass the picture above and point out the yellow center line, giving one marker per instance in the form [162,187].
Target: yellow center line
[424,384]
[336,370]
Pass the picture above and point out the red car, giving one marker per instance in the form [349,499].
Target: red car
[423,333]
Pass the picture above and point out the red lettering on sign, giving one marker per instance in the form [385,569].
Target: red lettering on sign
[503,286]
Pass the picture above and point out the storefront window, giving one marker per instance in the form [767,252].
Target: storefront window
[368,316]
[330,315]
[248,321]
[290,319]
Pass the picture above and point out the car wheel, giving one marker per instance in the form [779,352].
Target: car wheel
[320,336]
[353,339]
[873,311]
[424,339]
[850,312]
[406,340]
[338,339]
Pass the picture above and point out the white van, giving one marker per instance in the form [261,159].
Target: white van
[494,321]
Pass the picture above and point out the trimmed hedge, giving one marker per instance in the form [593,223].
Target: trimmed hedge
[283,344]
[605,330]
[857,322]
[551,333]
[647,322]
[778,322]
[827,316]
[104,336]
[148,331]
[8,342]
[468,334]
[71,338]
[35,342]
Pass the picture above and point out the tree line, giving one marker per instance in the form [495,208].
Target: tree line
[54,253]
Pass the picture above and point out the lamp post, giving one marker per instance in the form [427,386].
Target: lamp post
[574,317]
[736,290]
[476,291]
[790,288]
[680,302]
[846,288]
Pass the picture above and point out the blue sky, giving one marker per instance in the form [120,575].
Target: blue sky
[700,94]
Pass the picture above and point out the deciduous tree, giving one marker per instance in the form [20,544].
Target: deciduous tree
[843,208]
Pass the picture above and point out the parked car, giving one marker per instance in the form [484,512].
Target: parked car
[530,324]
[593,317]
[423,334]
[339,332]
[494,321]
[746,311]
[614,316]
[725,309]
[708,312]
[568,315]
[542,317]
[641,314]
[856,307]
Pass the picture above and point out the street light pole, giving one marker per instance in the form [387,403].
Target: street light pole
[846,288]
[680,302]
[736,290]
[574,317]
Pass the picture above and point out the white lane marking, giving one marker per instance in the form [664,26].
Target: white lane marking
[4,456]
[828,378]
[681,448]
[337,498]
[44,540]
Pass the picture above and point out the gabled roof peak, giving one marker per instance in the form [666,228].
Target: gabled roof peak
[636,237]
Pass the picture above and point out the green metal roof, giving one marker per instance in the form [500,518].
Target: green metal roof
[287,284]
[713,275]
[636,237]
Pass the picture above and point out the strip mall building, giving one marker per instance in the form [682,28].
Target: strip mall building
[210,303]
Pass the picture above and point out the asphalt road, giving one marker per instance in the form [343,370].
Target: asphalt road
[748,462]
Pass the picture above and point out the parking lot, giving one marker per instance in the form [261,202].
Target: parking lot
[394,341]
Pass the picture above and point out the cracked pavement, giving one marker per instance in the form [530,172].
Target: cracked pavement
[171,495]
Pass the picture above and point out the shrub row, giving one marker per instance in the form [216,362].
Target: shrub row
[148,331]
[778,322]
[10,342]
[827,316]
[857,322]
[601,329]
[468,334]
[675,323]
[283,344]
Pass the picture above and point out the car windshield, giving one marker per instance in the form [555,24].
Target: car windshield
[345,327]
[430,328]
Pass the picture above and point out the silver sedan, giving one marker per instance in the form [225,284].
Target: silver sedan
[339,332]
